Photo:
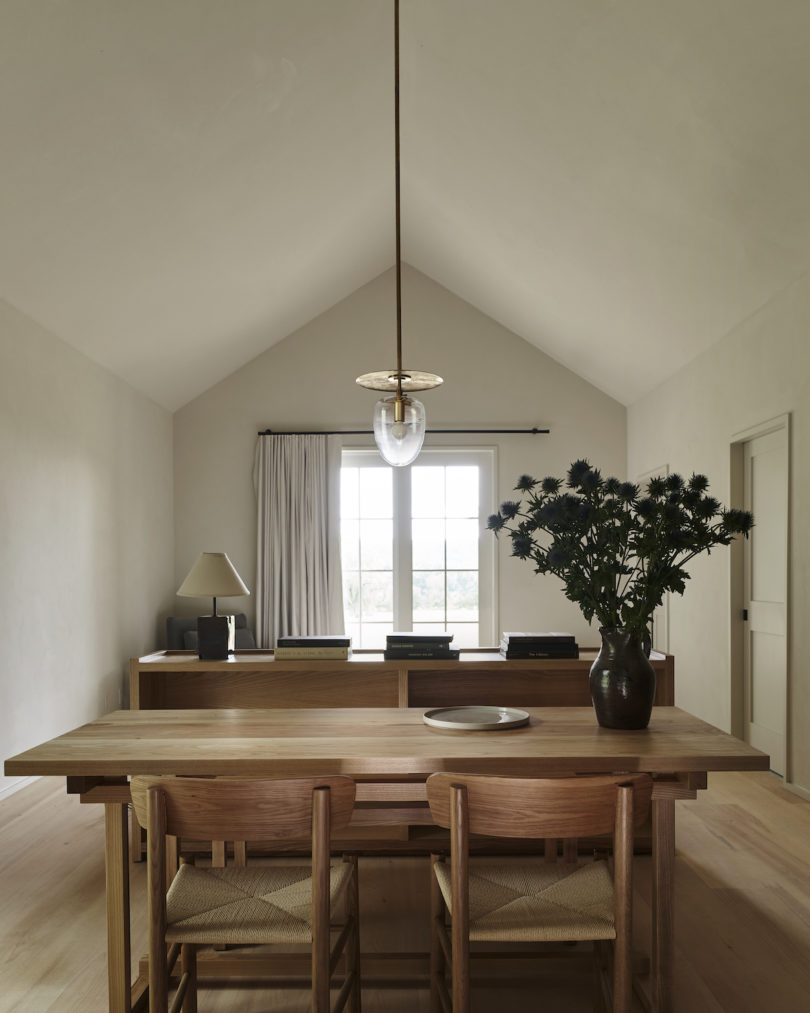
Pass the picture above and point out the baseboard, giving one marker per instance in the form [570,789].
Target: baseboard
[797,790]
[12,788]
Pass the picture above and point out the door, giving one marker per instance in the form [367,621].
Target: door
[765,592]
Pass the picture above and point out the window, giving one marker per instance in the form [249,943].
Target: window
[416,553]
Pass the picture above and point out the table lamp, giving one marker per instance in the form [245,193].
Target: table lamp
[213,576]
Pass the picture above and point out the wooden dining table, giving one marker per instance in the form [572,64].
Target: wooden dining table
[383,746]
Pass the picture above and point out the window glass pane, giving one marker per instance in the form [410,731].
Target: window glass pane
[376,545]
[428,545]
[350,543]
[376,499]
[427,491]
[462,544]
[430,628]
[349,492]
[462,491]
[433,507]
[428,596]
[351,595]
[372,635]
[377,597]
[464,634]
[353,631]
[462,595]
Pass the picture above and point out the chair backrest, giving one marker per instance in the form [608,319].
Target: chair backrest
[224,808]
[537,807]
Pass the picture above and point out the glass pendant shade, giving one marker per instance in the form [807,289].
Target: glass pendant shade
[399,429]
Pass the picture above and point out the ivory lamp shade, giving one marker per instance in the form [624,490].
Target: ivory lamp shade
[212,576]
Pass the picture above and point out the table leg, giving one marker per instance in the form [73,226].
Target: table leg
[663,922]
[116,854]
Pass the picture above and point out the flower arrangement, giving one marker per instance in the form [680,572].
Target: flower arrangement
[616,549]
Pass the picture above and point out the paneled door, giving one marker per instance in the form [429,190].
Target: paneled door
[765,594]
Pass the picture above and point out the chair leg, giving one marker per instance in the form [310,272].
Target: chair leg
[622,976]
[601,980]
[353,942]
[188,966]
[321,943]
[438,964]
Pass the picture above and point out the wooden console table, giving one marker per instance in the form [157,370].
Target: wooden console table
[168,680]
[392,818]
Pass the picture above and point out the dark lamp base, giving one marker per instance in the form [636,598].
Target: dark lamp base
[215,637]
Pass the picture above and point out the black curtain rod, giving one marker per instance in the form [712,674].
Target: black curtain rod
[370,432]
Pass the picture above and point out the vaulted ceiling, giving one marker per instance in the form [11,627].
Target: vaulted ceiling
[183,183]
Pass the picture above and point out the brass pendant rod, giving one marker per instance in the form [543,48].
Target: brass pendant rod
[399,383]
[398,229]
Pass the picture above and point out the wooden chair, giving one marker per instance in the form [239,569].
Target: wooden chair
[536,899]
[259,904]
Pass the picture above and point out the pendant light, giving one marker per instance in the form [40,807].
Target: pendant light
[399,420]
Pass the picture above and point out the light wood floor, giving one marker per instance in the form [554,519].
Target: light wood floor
[742,911]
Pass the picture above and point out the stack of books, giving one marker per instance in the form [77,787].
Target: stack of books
[539,645]
[328,648]
[419,645]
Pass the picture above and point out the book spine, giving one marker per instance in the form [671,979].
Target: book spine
[301,653]
[530,642]
[314,642]
[437,654]
[418,645]
[523,653]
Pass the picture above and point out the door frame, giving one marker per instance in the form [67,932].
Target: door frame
[736,576]
[659,643]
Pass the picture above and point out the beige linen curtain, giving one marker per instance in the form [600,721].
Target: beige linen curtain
[298,574]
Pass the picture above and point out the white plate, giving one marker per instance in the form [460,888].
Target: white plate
[475,719]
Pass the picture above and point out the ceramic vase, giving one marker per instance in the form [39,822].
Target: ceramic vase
[622,680]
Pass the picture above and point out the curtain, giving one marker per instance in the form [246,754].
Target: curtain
[298,574]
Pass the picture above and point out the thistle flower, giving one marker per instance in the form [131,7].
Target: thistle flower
[558,558]
[522,545]
[495,522]
[645,508]
[591,480]
[577,471]
[737,521]
[656,487]
[707,507]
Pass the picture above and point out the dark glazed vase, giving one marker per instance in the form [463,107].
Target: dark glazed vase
[622,681]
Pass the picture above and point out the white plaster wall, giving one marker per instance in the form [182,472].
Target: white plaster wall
[492,379]
[759,371]
[86,553]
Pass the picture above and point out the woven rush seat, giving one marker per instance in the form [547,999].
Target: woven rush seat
[534,901]
[242,906]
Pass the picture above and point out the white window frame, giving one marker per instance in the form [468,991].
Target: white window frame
[485,458]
